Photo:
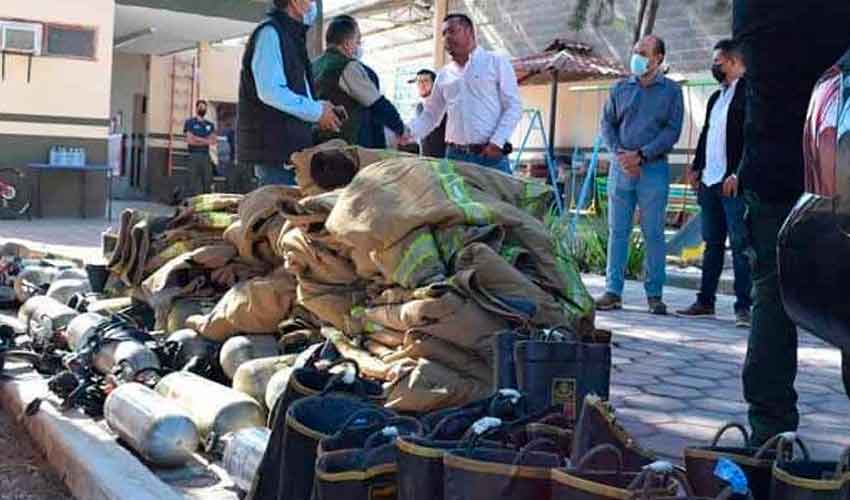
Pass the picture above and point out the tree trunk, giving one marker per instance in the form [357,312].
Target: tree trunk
[639,23]
[649,19]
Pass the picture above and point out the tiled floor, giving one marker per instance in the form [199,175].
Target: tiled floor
[676,381]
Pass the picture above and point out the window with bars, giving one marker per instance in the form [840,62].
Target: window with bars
[70,41]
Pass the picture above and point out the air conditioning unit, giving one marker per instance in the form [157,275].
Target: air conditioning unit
[24,38]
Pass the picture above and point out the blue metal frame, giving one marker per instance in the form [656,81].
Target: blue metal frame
[551,165]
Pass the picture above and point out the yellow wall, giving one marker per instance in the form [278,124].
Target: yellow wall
[59,86]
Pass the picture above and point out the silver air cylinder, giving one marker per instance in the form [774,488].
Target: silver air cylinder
[156,428]
[253,377]
[243,452]
[134,356]
[45,316]
[238,350]
[62,290]
[192,345]
[213,407]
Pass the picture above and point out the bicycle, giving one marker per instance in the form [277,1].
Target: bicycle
[14,195]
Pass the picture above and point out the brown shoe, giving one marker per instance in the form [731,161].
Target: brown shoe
[656,306]
[609,302]
[696,310]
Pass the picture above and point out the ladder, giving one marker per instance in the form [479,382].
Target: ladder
[536,125]
[183,77]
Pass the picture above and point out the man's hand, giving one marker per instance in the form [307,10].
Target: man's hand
[630,162]
[406,137]
[492,151]
[329,120]
[694,177]
[730,186]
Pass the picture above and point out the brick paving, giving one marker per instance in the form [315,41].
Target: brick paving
[674,381]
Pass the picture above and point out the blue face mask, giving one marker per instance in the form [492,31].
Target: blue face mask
[639,65]
[311,15]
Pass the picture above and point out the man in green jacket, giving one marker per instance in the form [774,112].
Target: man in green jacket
[342,79]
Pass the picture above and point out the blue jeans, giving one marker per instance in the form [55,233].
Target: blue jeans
[270,175]
[502,164]
[648,191]
[722,216]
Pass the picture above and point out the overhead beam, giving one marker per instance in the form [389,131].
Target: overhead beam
[396,27]
[400,45]
[238,10]
[369,7]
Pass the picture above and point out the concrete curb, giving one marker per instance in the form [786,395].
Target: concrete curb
[85,456]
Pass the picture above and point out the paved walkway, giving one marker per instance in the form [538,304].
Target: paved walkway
[675,381]
[70,237]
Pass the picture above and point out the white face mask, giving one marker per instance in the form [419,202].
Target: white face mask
[358,52]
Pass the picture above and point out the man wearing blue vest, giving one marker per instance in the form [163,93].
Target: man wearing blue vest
[277,111]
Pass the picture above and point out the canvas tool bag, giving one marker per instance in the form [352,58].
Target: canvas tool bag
[597,425]
[757,464]
[420,474]
[808,479]
[481,473]
[367,473]
[355,433]
[287,470]
[583,482]
[557,367]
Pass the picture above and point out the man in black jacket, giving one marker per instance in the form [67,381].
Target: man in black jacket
[277,109]
[718,154]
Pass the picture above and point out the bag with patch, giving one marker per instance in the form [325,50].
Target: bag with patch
[364,472]
[557,367]
[757,464]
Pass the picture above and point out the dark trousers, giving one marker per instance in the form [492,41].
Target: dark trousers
[771,363]
[200,172]
[721,217]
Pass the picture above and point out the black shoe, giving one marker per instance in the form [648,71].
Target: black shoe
[696,310]
[609,302]
[656,306]
[743,319]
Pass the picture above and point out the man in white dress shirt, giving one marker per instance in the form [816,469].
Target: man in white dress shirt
[479,92]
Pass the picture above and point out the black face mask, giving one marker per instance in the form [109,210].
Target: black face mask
[718,73]
[202,112]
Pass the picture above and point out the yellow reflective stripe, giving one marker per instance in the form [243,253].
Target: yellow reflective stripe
[534,195]
[450,241]
[174,250]
[455,188]
[421,253]
[510,253]
[216,220]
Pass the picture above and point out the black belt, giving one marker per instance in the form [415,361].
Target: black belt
[475,149]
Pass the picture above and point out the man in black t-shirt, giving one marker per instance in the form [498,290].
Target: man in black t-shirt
[200,135]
